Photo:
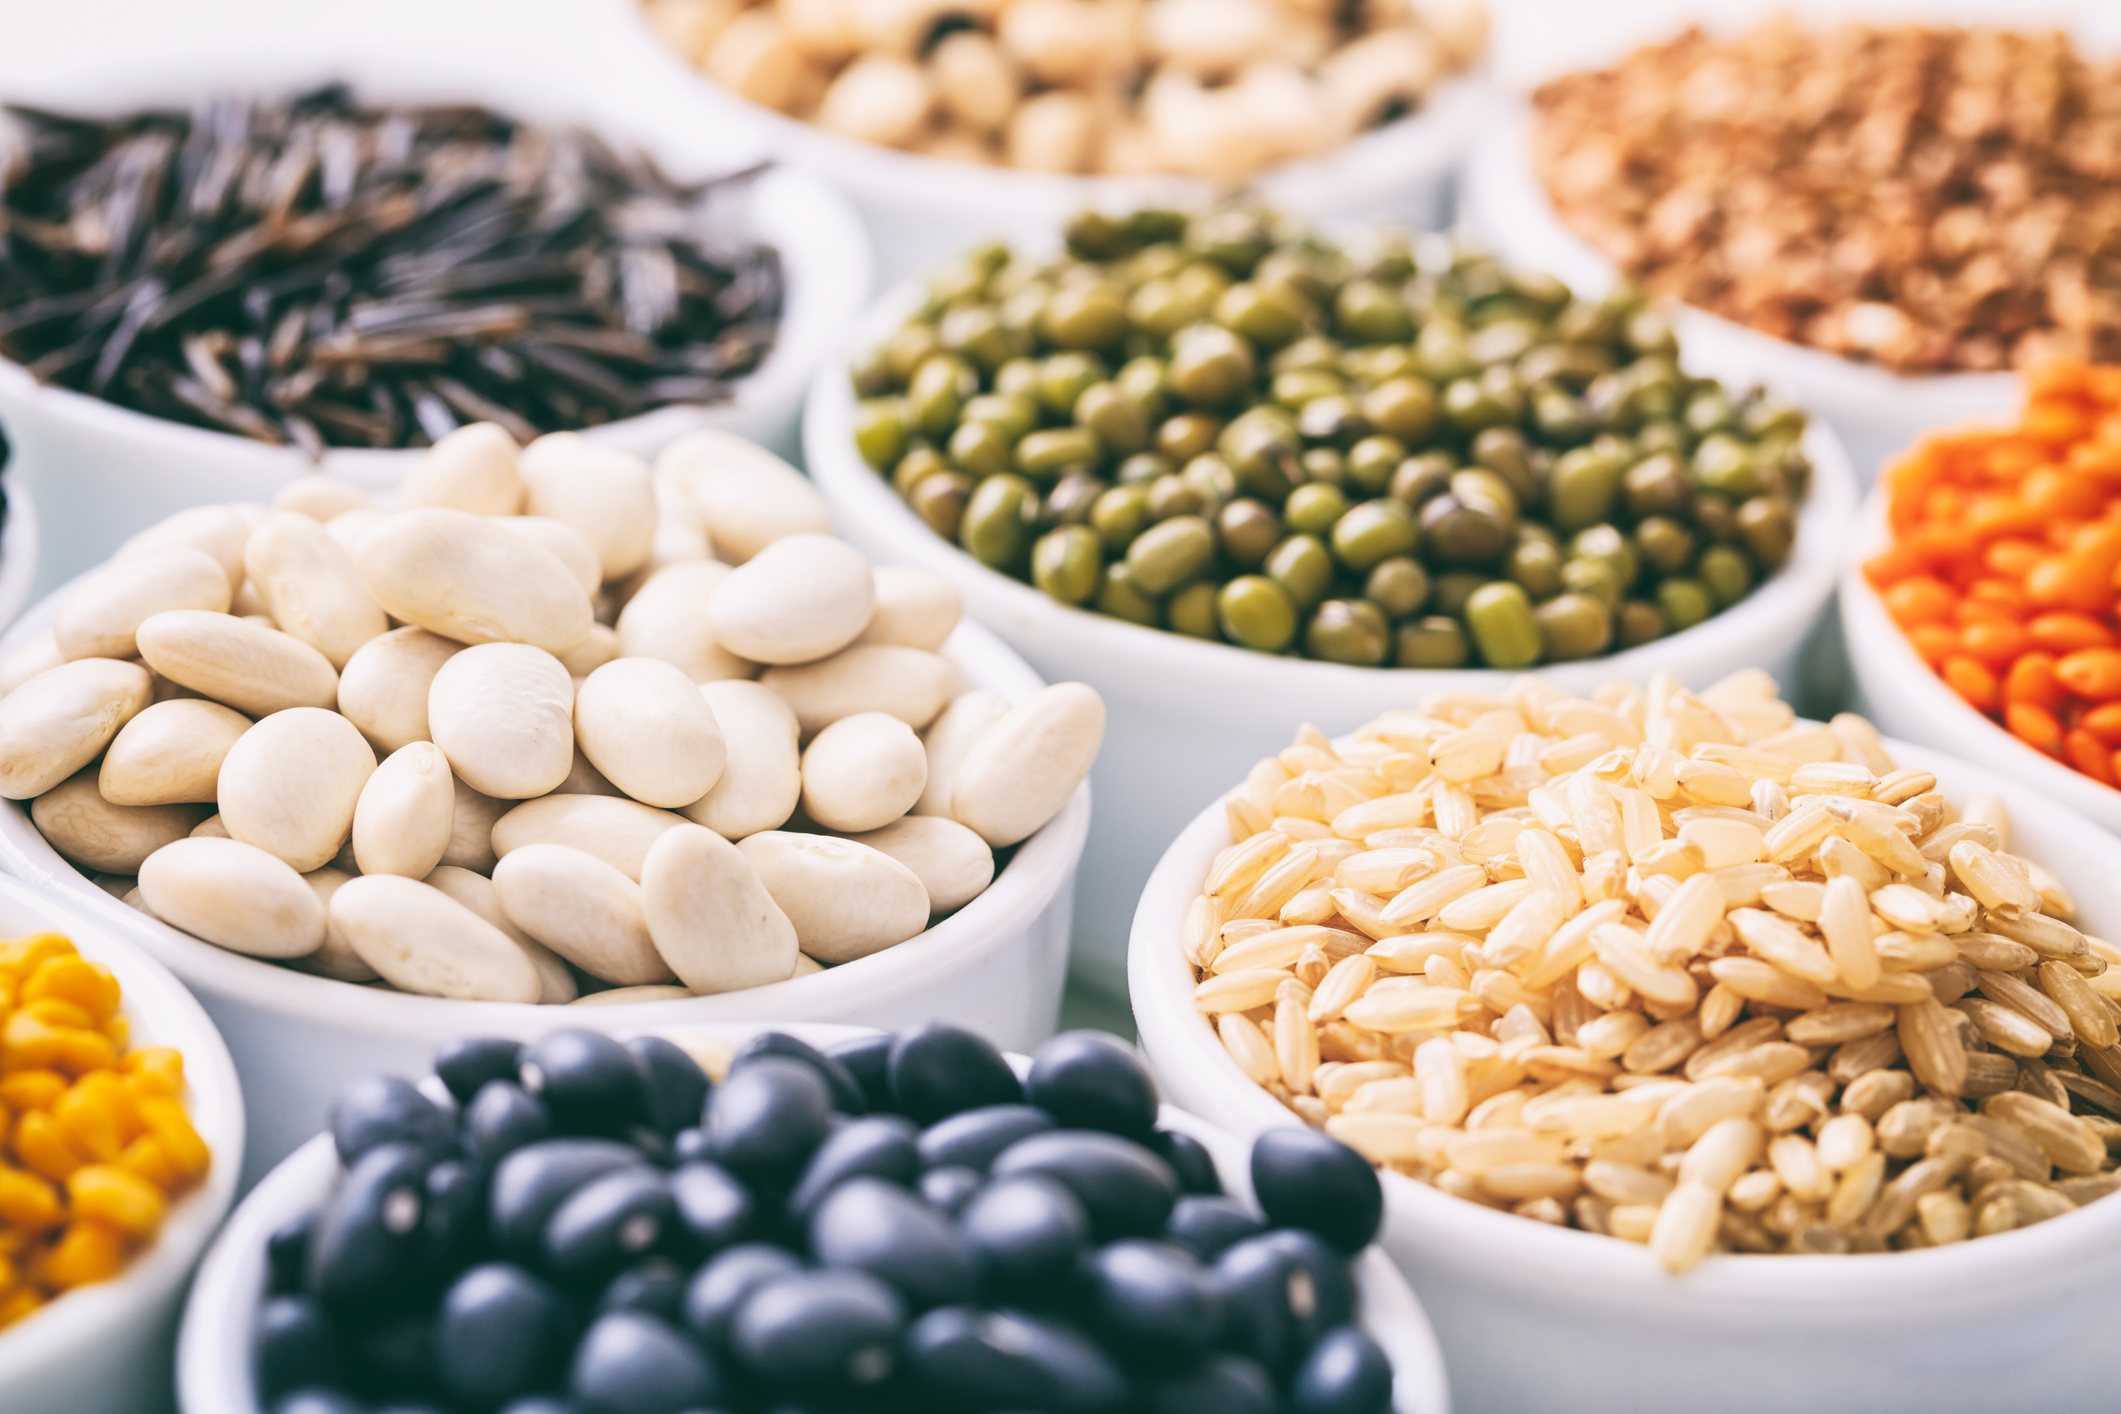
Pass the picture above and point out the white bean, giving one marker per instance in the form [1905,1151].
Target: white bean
[38,654]
[171,753]
[289,785]
[762,779]
[95,834]
[645,726]
[257,671]
[667,619]
[310,586]
[878,98]
[218,530]
[963,722]
[634,996]
[1022,769]
[422,940]
[604,493]
[350,526]
[321,496]
[59,721]
[335,959]
[713,919]
[210,828]
[383,688]
[563,540]
[102,615]
[581,908]
[747,496]
[471,829]
[975,80]
[233,895]
[800,599]
[468,578]
[406,813]
[475,892]
[846,900]
[915,608]
[472,469]
[863,772]
[953,864]
[601,647]
[614,829]
[908,683]
[503,713]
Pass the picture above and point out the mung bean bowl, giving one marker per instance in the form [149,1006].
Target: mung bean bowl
[1188,713]
[1549,1315]
[218,1362]
[107,1344]
[101,470]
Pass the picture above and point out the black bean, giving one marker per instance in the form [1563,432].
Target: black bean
[501,1332]
[394,1357]
[369,1233]
[974,1138]
[1279,1297]
[384,1109]
[454,1226]
[1332,1284]
[868,1060]
[879,1146]
[534,1180]
[1209,1226]
[655,1285]
[949,1189]
[886,1231]
[713,1208]
[718,1288]
[815,1327]
[1154,1302]
[1224,1384]
[630,1363]
[465,1066]
[287,1254]
[766,1120]
[1310,1180]
[586,1079]
[542,1404]
[847,1094]
[1090,1080]
[937,1071]
[1028,1234]
[317,1401]
[690,1145]
[677,1087]
[1006,1360]
[608,1221]
[1126,1190]
[295,1345]
[1345,1373]
[1189,1159]
[501,1118]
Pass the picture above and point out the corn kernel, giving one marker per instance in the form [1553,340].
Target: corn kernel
[17,1304]
[88,985]
[172,1129]
[31,1089]
[28,1202]
[19,957]
[109,1194]
[156,1068]
[42,1145]
[90,1250]
[98,1116]
[147,1158]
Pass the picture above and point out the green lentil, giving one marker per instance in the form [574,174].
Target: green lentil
[1433,642]
[1122,598]
[1171,552]
[996,529]
[1348,631]
[1068,563]
[1191,611]
[1256,612]
[1499,616]
[1574,626]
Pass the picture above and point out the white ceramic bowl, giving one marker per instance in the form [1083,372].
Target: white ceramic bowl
[19,539]
[100,471]
[1906,698]
[215,1368]
[1188,717]
[1876,411]
[107,1346]
[1539,1318]
[924,209]
[996,965]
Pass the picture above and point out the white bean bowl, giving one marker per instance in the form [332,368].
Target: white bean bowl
[1187,717]
[1540,1318]
[216,1368]
[107,1346]
[100,471]
[995,966]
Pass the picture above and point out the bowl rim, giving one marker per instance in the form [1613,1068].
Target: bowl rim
[828,264]
[1033,877]
[1534,1259]
[1779,607]
[163,1012]
[1884,661]
[213,1344]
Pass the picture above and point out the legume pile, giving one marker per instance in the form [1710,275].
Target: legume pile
[1226,426]
[2004,561]
[1212,88]
[897,1225]
[98,1141]
[1925,199]
[1679,969]
[581,786]
[316,273]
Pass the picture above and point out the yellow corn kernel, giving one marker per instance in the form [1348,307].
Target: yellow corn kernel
[157,1070]
[41,1145]
[31,1089]
[126,1201]
[40,1035]
[88,985]
[119,1032]
[28,1202]
[146,1157]
[90,1250]
[19,957]
[17,1304]
[98,1116]
[172,1129]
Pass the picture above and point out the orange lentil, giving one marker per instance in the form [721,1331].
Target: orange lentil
[2088,754]
[2036,726]
[1934,642]
[2091,673]
[1972,681]
[1996,642]
[2066,632]
[2031,680]
[1920,599]
[2103,722]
